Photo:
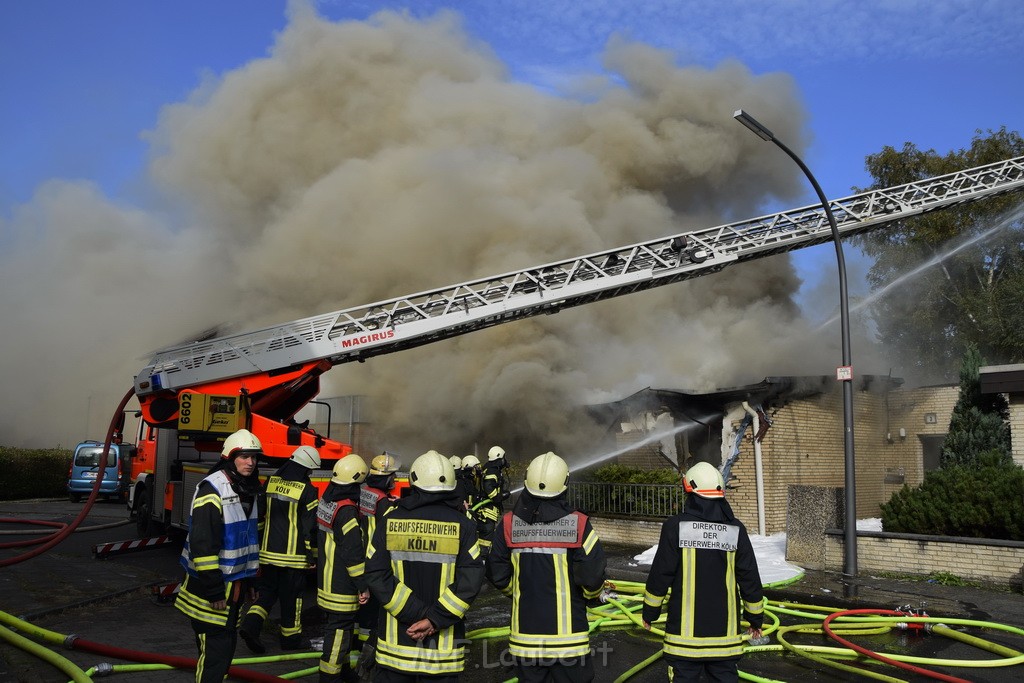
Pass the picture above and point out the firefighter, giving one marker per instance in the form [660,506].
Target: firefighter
[287,550]
[221,553]
[375,496]
[705,559]
[493,492]
[341,584]
[460,482]
[547,557]
[469,475]
[423,565]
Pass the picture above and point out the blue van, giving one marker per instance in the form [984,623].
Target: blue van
[86,463]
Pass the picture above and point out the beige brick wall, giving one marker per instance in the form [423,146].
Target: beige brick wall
[631,532]
[805,446]
[645,457]
[923,555]
[1017,428]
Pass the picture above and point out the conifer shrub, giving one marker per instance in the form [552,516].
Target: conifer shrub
[985,500]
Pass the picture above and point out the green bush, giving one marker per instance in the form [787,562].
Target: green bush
[982,501]
[34,472]
[621,474]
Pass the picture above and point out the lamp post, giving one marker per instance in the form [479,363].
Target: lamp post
[843,373]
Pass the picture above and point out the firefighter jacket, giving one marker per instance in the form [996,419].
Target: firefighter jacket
[493,486]
[373,500]
[340,570]
[222,546]
[705,558]
[289,534]
[548,559]
[424,562]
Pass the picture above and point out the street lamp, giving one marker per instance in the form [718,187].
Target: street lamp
[843,373]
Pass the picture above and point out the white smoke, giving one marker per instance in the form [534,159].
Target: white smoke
[365,160]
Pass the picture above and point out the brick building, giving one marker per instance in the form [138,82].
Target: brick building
[897,435]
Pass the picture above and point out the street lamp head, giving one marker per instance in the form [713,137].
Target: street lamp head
[753,124]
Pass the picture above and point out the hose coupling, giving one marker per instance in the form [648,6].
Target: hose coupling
[69,641]
[103,669]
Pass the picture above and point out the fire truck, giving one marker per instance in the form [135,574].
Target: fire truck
[193,395]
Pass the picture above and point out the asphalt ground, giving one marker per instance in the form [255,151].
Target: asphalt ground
[110,601]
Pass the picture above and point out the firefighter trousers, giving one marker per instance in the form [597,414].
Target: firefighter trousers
[338,634]
[562,670]
[216,645]
[682,670]
[279,583]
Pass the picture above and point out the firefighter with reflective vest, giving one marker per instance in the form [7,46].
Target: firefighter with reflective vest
[341,583]
[287,550]
[493,492]
[706,564]
[547,557]
[221,553]
[375,496]
[424,566]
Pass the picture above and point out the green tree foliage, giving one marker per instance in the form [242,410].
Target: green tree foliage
[978,424]
[973,295]
[34,473]
[622,474]
[983,501]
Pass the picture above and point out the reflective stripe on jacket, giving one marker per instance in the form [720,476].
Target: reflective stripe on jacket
[549,569]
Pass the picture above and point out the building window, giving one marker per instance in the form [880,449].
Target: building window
[931,444]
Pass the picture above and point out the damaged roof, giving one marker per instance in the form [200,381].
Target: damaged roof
[692,404]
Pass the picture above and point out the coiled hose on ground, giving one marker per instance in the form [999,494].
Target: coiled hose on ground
[620,611]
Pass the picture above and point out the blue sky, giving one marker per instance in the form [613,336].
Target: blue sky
[84,80]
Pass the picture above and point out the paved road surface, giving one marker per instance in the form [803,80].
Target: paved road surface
[109,601]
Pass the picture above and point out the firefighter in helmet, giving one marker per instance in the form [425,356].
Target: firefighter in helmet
[706,566]
[493,492]
[341,584]
[424,566]
[469,475]
[287,550]
[375,496]
[221,553]
[547,557]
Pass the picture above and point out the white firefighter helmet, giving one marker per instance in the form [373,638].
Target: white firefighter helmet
[496,453]
[385,463]
[349,470]
[705,480]
[432,472]
[456,462]
[307,456]
[241,441]
[470,461]
[547,475]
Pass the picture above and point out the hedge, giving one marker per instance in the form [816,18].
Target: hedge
[34,472]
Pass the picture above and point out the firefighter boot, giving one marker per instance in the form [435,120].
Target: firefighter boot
[289,643]
[250,633]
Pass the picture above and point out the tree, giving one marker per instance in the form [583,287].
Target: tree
[978,425]
[973,295]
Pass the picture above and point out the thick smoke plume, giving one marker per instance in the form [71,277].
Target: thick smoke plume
[365,160]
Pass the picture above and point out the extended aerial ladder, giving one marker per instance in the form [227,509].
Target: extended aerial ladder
[297,352]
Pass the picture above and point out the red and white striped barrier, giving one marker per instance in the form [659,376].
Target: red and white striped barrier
[107,549]
[165,592]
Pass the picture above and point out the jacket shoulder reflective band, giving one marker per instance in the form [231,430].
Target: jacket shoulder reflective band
[566,532]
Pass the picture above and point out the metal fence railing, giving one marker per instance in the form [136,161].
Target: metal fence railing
[637,500]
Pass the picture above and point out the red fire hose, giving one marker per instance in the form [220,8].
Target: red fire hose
[874,655]
[70,528]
